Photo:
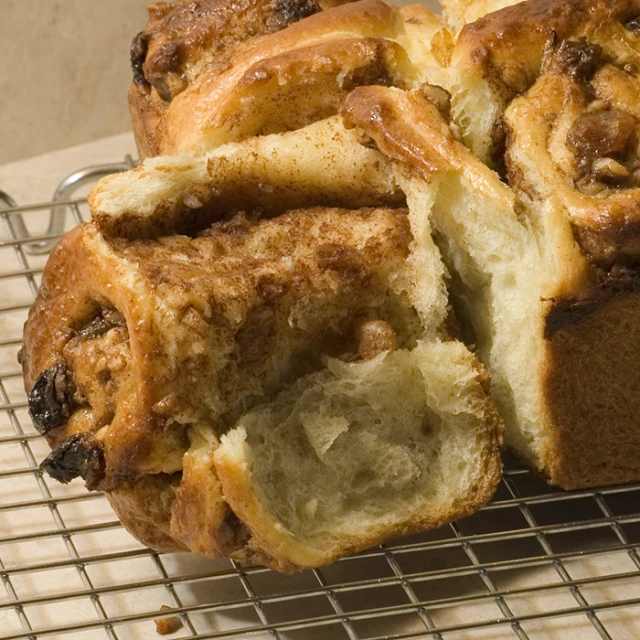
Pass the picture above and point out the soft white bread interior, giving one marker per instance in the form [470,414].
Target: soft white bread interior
[361,452]
[498,271]
[460,12]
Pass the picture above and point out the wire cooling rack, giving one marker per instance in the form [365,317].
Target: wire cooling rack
[536,563]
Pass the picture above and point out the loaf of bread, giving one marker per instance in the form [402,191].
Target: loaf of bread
[250,348]
[247,373]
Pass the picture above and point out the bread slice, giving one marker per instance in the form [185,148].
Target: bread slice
[362,452]
[322,165]
[278,385]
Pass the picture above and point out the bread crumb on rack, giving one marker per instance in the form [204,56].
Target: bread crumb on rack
[170,624]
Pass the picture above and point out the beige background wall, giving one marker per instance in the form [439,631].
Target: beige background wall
[64,72]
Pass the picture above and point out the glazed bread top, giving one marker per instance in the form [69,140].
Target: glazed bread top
[182,38]
[267,83]
[574,142]
[508,47]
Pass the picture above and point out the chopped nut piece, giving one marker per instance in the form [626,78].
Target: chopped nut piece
[192,201]
[170,624]
[601,134]
[374,337]
[609,169]
[439,96]
[596,105]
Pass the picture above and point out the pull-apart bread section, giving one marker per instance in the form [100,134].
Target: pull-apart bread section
[501,55]
[544,260]
[206,74]
[264,372]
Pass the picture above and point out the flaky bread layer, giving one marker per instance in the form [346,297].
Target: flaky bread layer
[321,164]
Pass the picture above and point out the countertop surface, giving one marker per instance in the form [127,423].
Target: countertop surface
[35,179]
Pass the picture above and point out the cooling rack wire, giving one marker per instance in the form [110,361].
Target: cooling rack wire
[536,563]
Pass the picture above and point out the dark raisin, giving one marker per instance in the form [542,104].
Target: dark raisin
[81,455]
[287,12]
[579,58]
[51,399]
[633,25]
[167,60]
[138,54]
[373,73]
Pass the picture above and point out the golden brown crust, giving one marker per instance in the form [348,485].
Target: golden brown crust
[591,382]
[146,119]
[183,39]
[508,47]
[316,61]
[565,131]
[144,509]
[409,128]
[76,285]
[501,55]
